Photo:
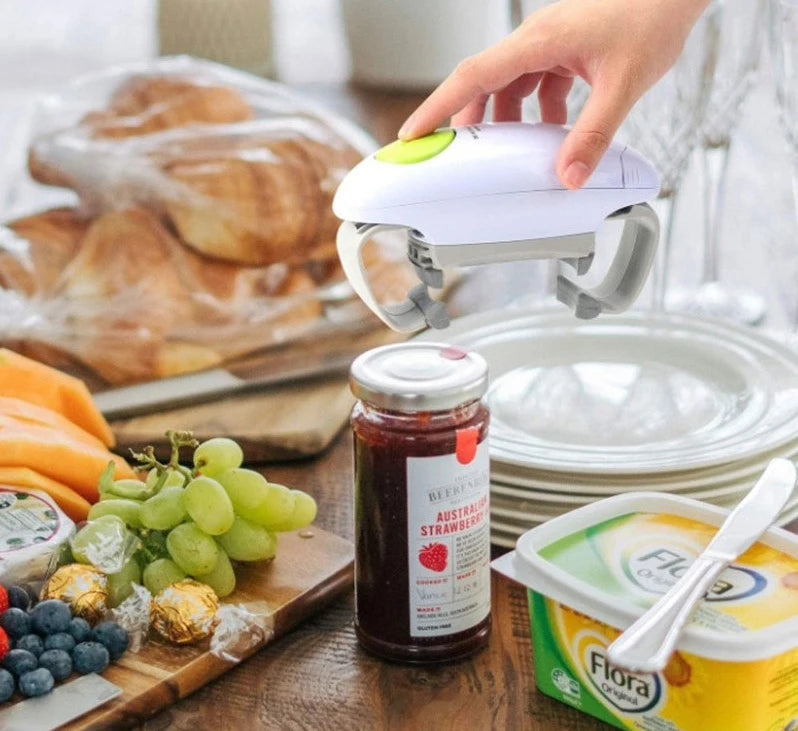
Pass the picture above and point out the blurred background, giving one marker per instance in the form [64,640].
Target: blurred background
[397,51]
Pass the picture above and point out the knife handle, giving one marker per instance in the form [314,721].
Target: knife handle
[646,646]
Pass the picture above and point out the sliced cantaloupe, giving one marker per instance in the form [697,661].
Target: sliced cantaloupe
[75,506]
[59,456]
[29,380]
[30,414]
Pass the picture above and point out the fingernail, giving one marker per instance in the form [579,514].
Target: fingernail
[405,128]
[576,174]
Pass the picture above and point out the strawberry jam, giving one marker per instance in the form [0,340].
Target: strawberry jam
[422,540]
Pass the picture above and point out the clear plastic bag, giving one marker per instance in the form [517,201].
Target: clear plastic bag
[204,230]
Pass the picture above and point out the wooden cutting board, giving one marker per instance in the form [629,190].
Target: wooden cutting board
[290,421]
[306,574]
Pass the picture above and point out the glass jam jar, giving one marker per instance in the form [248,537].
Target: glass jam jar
[422,534]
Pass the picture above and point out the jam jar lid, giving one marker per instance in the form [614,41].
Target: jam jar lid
[418,376]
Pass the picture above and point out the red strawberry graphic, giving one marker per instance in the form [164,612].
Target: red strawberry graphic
[434,556]
[4,643]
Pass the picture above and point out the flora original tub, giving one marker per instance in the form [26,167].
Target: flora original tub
[592,572]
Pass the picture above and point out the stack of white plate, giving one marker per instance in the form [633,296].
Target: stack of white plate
[582,410]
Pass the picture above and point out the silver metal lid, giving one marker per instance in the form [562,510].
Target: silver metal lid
[418,376]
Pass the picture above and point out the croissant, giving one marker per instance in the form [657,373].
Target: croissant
[388,269]
[45,173]
[222,244]
[253,191]
[267,197]
[45,242]
[292,309]
[137,290]
[227,302]
[130,302]
[122,294]
[146,104]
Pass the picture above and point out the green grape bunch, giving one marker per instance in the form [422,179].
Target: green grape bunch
[193,521]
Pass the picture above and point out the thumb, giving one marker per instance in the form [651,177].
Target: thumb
[592,133]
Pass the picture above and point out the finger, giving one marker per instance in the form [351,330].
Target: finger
[472,113]
[592,133]
[507,103]
[552,96]
[480,75]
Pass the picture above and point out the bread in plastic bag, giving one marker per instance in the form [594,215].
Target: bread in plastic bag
[204,229]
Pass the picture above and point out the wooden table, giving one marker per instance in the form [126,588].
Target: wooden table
[317,676]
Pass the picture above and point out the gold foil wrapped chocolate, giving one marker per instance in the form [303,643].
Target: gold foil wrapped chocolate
[83,587]
[185,612]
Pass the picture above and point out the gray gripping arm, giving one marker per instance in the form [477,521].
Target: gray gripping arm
[414,313]
[627,273]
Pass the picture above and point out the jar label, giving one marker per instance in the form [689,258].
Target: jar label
[448,525]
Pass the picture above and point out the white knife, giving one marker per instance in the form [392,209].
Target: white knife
[327,355]
[66,702]
[647,644]
[192,388]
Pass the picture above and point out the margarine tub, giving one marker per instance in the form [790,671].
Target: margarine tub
[592,572]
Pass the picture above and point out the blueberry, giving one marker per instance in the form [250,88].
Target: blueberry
[112,636]
[58,662]
[31,643]
[18,597]
[80,629]
[15,622]
[36,682]
[6,685]
[60,641]
[19,662]
[90,657]
[50,616]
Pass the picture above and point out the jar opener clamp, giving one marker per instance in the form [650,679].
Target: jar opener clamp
[489,193]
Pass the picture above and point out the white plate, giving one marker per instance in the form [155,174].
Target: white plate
[522,516]
[578,498]
[503,540]
[745,469]
[565,485]
[511,526]
[633,393]
[513,508]
[505,533]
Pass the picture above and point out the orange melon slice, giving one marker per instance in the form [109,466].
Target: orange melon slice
[59,456]
[29,380]
[75,506]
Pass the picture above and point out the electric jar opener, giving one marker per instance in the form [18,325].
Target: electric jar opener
[489,193]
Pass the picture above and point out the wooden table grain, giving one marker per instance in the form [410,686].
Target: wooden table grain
[317,677]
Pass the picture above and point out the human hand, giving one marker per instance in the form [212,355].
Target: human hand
[620,47]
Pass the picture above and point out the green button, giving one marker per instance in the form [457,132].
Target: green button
[423,148]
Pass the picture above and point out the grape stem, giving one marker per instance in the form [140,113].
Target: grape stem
[150,550]
[106,481]
[147,458]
